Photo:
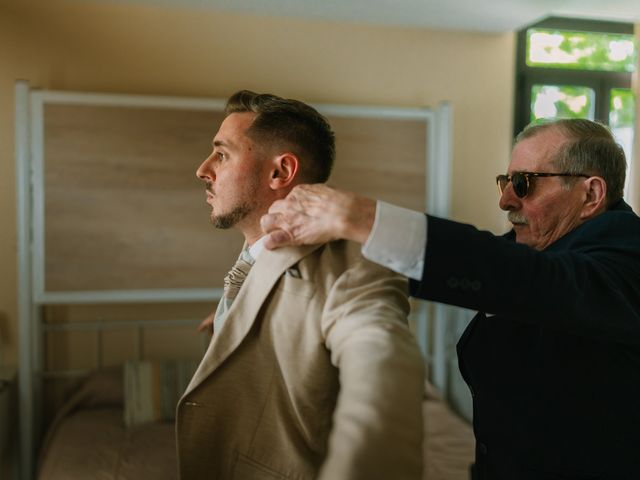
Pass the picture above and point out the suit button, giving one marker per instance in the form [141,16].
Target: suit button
[476,285]
[482,448]
[465,284]
[453,282]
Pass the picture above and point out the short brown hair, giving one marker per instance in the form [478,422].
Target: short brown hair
[590,149]
[290,124]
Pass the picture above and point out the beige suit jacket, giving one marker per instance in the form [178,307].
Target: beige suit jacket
[313,374]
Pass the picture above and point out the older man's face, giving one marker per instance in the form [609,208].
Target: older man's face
[550,210]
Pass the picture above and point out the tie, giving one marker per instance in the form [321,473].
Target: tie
[235,278]
[232,283]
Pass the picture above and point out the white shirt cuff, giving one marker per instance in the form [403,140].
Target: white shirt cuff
[397,240]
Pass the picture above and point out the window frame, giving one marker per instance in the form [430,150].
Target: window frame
[602,82]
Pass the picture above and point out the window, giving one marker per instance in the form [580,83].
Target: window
[569,49]
[570,68]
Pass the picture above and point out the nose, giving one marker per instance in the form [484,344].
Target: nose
[509,200]
[205,171]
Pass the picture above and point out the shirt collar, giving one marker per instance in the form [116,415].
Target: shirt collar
[256,249]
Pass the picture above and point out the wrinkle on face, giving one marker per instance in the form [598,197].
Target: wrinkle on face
[551,209]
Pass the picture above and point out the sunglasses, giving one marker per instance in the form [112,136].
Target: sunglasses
[521,181]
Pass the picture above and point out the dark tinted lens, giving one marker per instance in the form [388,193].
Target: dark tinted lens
[520,184]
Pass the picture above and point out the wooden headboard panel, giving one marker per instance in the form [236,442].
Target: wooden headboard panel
[123,209]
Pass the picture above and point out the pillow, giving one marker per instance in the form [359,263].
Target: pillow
[152,389]
[101,388]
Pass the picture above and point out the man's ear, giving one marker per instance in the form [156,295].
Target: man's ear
[284,171]
[596,197]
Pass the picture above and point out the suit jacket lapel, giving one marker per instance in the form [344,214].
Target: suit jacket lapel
[269,266]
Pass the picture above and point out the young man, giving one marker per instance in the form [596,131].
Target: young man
[312,371]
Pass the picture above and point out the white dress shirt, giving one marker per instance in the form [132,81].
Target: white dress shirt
[397,240]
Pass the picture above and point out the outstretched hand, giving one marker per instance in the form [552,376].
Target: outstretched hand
[207,324]
[313,214]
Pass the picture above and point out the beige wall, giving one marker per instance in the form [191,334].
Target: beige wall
[66,45]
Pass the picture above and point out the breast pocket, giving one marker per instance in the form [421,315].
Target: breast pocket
[291,283]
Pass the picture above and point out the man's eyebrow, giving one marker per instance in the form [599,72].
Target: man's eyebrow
[219,143]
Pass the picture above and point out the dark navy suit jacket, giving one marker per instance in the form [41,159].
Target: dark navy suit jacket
[554,372]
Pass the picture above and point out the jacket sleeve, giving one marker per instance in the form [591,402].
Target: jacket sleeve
[377,424]
[588,283]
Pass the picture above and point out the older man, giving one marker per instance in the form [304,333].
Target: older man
[553,358]
[312,371]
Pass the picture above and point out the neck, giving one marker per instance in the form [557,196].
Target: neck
[250,227]
[252,237]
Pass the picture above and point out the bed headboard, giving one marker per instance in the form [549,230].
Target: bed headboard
[111,213]
[121,207]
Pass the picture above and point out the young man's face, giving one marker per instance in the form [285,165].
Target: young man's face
[236,175]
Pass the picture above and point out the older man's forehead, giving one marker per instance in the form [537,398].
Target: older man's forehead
[536,153]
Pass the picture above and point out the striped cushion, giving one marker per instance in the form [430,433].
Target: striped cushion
[152,389]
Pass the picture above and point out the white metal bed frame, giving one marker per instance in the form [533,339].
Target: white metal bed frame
[433,331]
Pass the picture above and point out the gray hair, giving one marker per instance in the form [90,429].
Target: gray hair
[590,149]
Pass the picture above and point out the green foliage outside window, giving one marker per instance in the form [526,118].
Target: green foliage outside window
[550,102]
[622,110]
[552,48]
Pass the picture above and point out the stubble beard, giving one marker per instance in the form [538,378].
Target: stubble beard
[231,218]
[241,210]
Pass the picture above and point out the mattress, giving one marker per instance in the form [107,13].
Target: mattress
[94,444]
[449,441]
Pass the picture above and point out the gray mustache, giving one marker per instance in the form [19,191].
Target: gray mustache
[517,217]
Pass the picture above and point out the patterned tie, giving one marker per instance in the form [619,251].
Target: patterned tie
[235,278]
[232,283]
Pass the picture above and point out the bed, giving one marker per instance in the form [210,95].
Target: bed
[147,450]
[107,264]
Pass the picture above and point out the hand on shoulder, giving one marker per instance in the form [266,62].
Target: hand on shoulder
[313,214]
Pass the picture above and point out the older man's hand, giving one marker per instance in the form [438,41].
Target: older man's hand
[313,214]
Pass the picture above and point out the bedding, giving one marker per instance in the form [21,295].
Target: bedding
[88,440]
[449,441]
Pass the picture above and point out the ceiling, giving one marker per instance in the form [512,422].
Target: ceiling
[470,15]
